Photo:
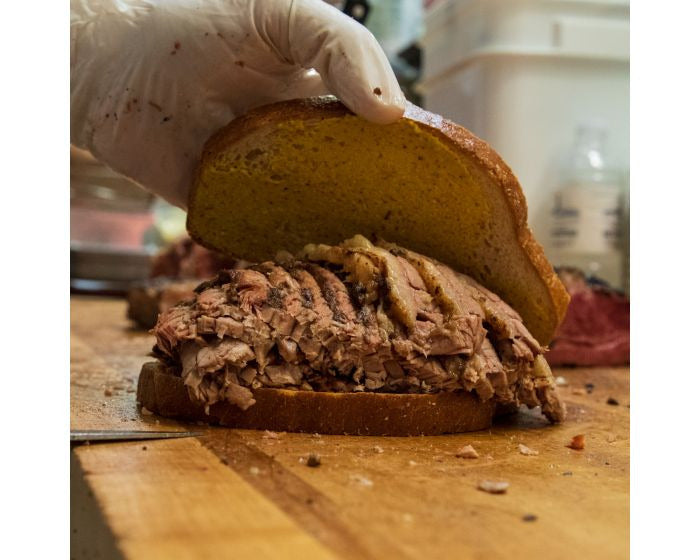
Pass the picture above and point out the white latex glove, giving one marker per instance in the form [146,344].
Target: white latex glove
[152,80]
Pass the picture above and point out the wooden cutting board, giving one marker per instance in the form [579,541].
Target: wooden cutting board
[248,494]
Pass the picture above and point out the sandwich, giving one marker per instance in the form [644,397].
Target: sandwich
[391,283]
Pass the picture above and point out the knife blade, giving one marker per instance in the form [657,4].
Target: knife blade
[126,435]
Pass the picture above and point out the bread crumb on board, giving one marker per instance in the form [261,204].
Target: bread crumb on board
[493,486]
[467,452]
[361,480]
[525,450]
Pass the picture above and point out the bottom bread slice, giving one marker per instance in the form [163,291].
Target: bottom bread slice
[373,414]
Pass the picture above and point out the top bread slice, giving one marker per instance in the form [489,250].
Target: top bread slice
[309,171]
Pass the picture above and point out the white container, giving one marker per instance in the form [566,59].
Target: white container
[523,74]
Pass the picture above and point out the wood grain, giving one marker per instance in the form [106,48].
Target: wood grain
[106,356]
[175,499]
[370,497]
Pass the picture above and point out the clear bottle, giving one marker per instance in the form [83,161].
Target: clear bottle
[585,220]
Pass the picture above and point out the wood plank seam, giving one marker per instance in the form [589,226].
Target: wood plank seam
[313,511]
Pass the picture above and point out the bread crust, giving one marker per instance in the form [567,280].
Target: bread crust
[457,137]
[373,414]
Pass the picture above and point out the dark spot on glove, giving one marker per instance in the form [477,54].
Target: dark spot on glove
[377,91]
[239,63]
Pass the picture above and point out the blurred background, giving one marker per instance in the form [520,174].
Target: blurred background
[546,83]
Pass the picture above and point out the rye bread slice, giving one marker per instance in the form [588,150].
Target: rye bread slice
[309,171]
[372,414]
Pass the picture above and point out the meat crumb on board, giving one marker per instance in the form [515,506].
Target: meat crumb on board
[313,460]
[467,452]
[493,486]
[270,435]
[577,442]
[378,449]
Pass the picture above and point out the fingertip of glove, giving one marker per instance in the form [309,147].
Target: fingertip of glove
[382,109]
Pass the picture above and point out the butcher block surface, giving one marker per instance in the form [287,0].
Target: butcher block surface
[249,494]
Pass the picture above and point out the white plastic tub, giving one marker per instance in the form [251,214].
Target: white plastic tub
[522,74]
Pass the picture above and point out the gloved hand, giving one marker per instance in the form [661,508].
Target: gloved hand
[152,80]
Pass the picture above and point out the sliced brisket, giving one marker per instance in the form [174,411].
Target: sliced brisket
[353,317]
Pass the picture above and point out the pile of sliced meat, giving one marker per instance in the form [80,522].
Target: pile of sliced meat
[185,259]
[596,328]
[353,317]
[175,272]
